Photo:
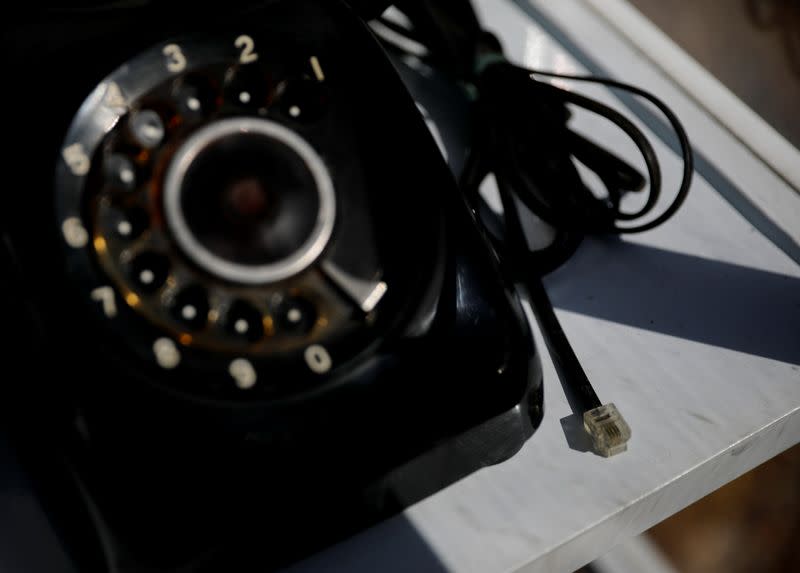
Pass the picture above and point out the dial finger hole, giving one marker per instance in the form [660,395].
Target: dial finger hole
[250,87]
[245,322]
[147,128]
[303,100]
[191,307]
[131,223]
[195,98]
[296,316]
[149,271]
[120,172]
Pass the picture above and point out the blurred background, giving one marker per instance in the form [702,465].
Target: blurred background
[753,47]
[751,524]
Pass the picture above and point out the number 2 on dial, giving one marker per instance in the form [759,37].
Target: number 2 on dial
[247,46]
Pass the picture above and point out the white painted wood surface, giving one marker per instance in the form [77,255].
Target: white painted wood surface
[693,330]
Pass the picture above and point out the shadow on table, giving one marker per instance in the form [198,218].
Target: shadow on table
[726,305]
[721,304]
[393,546]
[572,426]
[28,542]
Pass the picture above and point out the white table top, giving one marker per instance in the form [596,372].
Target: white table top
[693,330]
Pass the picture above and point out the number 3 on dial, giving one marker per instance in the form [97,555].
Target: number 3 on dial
[176,61]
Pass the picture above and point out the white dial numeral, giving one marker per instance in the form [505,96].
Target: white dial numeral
[247,45]
[243,373]
[75,233]
[317,67]
[167,354]
[105,296]
[77,159]
[176,61]
[318,359]
[114,98]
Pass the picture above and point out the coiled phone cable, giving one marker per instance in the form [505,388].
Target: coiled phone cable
[524,139]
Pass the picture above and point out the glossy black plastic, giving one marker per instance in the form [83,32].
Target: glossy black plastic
[178,478]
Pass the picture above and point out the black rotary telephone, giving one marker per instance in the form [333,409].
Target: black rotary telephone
[246,303]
